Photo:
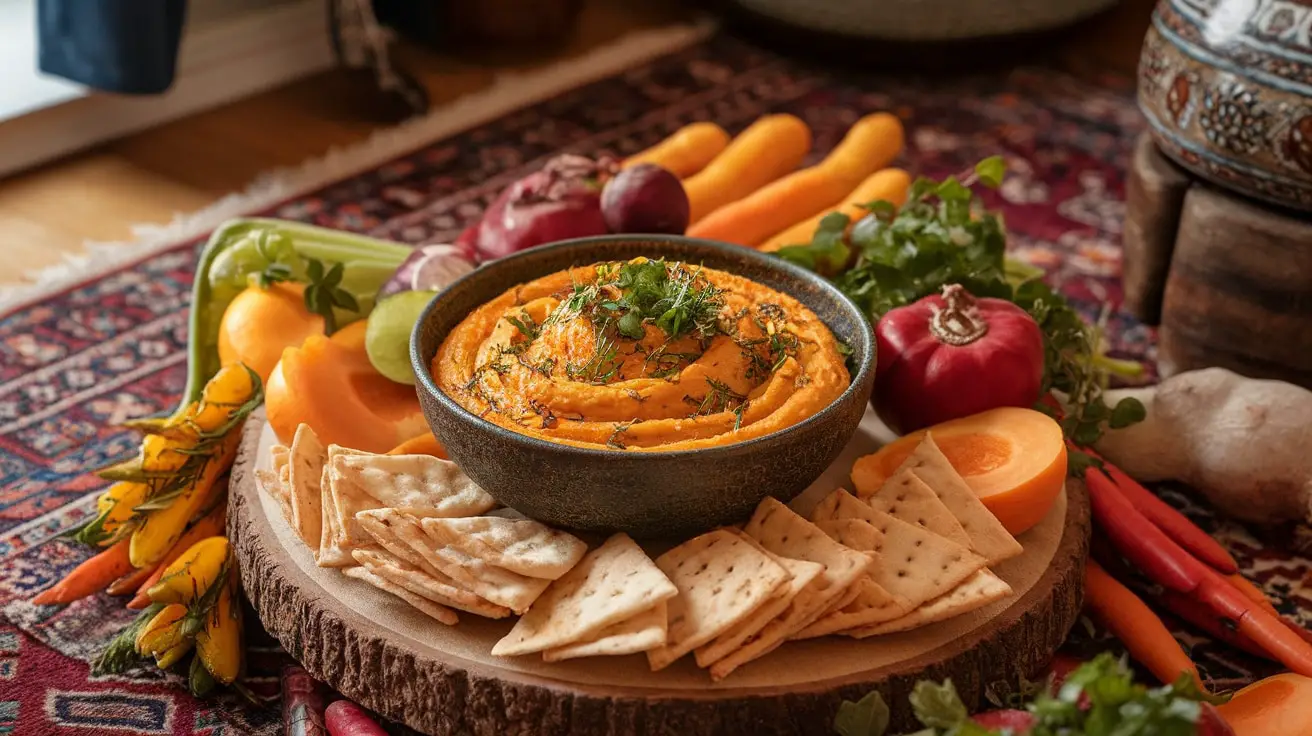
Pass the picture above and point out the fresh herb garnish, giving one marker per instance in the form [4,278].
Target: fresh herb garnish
[1113,705]
[944,235]
[525,324]
[614,441]
[604,363]
[677,300]
[323,293]
[719,397]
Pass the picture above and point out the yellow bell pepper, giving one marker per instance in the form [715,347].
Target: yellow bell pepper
[219,644]
[164,632]
[165,660]
[188,577]
[160,529]
[118,502]
[224,393]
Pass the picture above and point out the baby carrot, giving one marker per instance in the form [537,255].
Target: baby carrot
[770,147]
[209,525]
[685,152]
[1139,540]
[1268,631]
[1252,593]
[130,582]
[869,145]
[888,185]
[89,577]
[1129,618]
[1176,525]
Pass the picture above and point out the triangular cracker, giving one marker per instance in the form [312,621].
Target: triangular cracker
[987,535]
[721,579]
[905,496]
[332,542]
[612,583]
[401,573]
[419,485]
[436,611]
[977,591]
[305,462]
[346,502]
[914,563]
[399,535]
[804,573]
[645,631]
[522,546]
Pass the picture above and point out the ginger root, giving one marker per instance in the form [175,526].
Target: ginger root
[1246,444]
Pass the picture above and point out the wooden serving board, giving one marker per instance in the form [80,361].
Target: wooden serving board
[443,680]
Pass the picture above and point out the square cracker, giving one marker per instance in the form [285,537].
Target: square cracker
[987,535]
[400,573]
[612,583]
[305,463]
[521,546]
[435,611]
[722,579]
[905,496]
[870,602]
[419,485]
[915,564]
[645,631]
[977,591]
[803,573]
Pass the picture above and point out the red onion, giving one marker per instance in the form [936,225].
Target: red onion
[559,202]
[428,268]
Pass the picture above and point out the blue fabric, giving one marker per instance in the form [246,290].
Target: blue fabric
[128,46]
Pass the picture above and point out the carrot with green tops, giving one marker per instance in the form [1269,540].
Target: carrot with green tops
[1145,636]
[209,525]
[885,185]
[687,151]
[769,148]
[89,577]
[870,145]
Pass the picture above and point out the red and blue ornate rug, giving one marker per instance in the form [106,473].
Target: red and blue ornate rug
[74,364]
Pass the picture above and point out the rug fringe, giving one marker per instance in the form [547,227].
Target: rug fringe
[510,91]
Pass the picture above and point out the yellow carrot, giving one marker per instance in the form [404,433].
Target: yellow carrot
[771,147]
[164,632]
[209,525]
[869,145]
[189,576]
[167,659]
[161,529]
[685,152]
[231,387]
[889,185]
[219,644]
[118,505]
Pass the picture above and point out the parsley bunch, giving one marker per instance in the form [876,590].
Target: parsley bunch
[944,235]
[1113,705]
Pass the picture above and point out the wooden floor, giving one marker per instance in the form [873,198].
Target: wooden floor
[182,166]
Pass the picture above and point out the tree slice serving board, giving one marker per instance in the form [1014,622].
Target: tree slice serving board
[443,680]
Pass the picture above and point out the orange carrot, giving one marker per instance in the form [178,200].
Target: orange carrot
[1251,592]
[1280,705]
[424,444]
[685,152]
[868,146]
[133,580]
[771,147]
[89,577]
[1269,631]
[209,525]
[1133,622]
[889,185]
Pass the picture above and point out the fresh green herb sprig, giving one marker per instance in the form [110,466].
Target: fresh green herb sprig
[1113,705]
[323,293]
[944,235]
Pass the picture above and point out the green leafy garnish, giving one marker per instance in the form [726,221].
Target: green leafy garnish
[944,235]
[121,652]
[866,717]
[323,293]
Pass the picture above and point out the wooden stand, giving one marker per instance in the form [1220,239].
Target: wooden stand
[1228,280]
[442,680]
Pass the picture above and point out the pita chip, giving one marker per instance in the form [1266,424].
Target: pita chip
[332,542]
[273,484]
[401,536]
[612,583]
[803,573]
[645,631]
[419,485]
[401,573]
[345,501]
[305,461]
[280,454]
[520,546]
[905,496]
[435,611]
[975,592]
[869,602]
[987,535]
[722,579]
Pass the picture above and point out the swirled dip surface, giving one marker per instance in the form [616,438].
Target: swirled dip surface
[643,355]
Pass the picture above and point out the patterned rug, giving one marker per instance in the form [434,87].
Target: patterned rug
[76,363]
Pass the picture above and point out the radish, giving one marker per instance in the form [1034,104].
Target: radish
[348,719]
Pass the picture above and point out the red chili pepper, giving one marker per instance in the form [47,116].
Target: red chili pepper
[1139,540]
[1176,525]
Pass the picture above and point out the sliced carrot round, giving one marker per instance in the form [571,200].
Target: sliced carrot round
[1014,459]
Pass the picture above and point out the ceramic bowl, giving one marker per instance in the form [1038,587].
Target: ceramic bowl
[646,494]
[1226,86]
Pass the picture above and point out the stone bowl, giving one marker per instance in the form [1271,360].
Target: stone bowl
[645,494]
[1226,87]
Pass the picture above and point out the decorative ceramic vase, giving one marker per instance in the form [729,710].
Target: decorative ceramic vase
[1226,86]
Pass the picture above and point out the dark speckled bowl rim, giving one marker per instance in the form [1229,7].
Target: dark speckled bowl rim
[425,381]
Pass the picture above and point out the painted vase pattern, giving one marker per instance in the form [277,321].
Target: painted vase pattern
[1226,86]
